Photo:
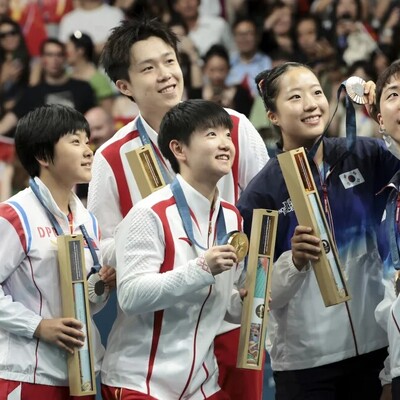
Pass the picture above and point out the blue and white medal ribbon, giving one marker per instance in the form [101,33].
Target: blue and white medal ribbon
[184,212]
[99,292]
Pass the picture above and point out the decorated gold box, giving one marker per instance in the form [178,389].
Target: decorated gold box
[146,170]
[75,304]
[309,212]
[258,281]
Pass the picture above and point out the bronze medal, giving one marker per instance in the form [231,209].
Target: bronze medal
[355,90]
[240,242]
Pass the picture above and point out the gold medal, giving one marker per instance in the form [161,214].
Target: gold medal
[240,242]
[355,89]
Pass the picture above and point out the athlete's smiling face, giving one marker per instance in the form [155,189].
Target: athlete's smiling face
[302,110]
[208,156]
[155,77]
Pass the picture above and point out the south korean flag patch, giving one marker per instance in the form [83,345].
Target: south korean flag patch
[351,178]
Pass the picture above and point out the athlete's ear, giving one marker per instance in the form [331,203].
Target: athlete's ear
[273,118]
[380,122]
[43,162]
[124,87]
[177,149]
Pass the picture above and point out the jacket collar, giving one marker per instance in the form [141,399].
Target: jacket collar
[199,204]
[334,150]
[81,216]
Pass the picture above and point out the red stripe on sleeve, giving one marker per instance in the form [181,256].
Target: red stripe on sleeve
[8,213]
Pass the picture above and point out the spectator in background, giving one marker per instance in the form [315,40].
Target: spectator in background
[380,59]
[96,17]
[389,31]
[216,70]
[311,46]
[226,9]
[204,30]
[80,55]
[4,8]
[14,76]
[352,38]
[124,111]
[56,87]
[189,58]
[102,128]
[30,17]
[247,61]
[277,29]
[150,8]
[14,63]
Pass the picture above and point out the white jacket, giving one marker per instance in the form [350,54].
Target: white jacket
[113,189]
[162,342]
[30,288]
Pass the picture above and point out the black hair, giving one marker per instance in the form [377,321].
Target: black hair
[177,20]
[244,18]
[336,17]
[187,117]
[366,66]
[217,50]
[116,56]
[384,78]
[309,17]
[148,9]
[268,83]
[83,41]
[51,41]
[38,131]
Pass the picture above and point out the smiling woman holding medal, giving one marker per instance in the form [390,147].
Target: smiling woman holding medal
[320,352]
[178,253]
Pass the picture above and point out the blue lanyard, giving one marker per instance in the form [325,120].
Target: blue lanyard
[96,264]
[351,125]
[144,137]
[184,212]
[392,211]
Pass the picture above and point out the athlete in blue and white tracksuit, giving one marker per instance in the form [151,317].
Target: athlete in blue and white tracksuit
[387,312]
[302,332]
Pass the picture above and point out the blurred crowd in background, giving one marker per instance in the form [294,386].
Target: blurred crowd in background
[50,52]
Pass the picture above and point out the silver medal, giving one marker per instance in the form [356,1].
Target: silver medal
[355,89]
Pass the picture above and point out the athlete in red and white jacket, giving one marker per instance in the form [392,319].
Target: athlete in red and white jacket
[113,189]
[30,289]
[172,305]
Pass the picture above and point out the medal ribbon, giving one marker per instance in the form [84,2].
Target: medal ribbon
[392,217]
[96,264]
[184,212]
[351,125]
[144,137]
